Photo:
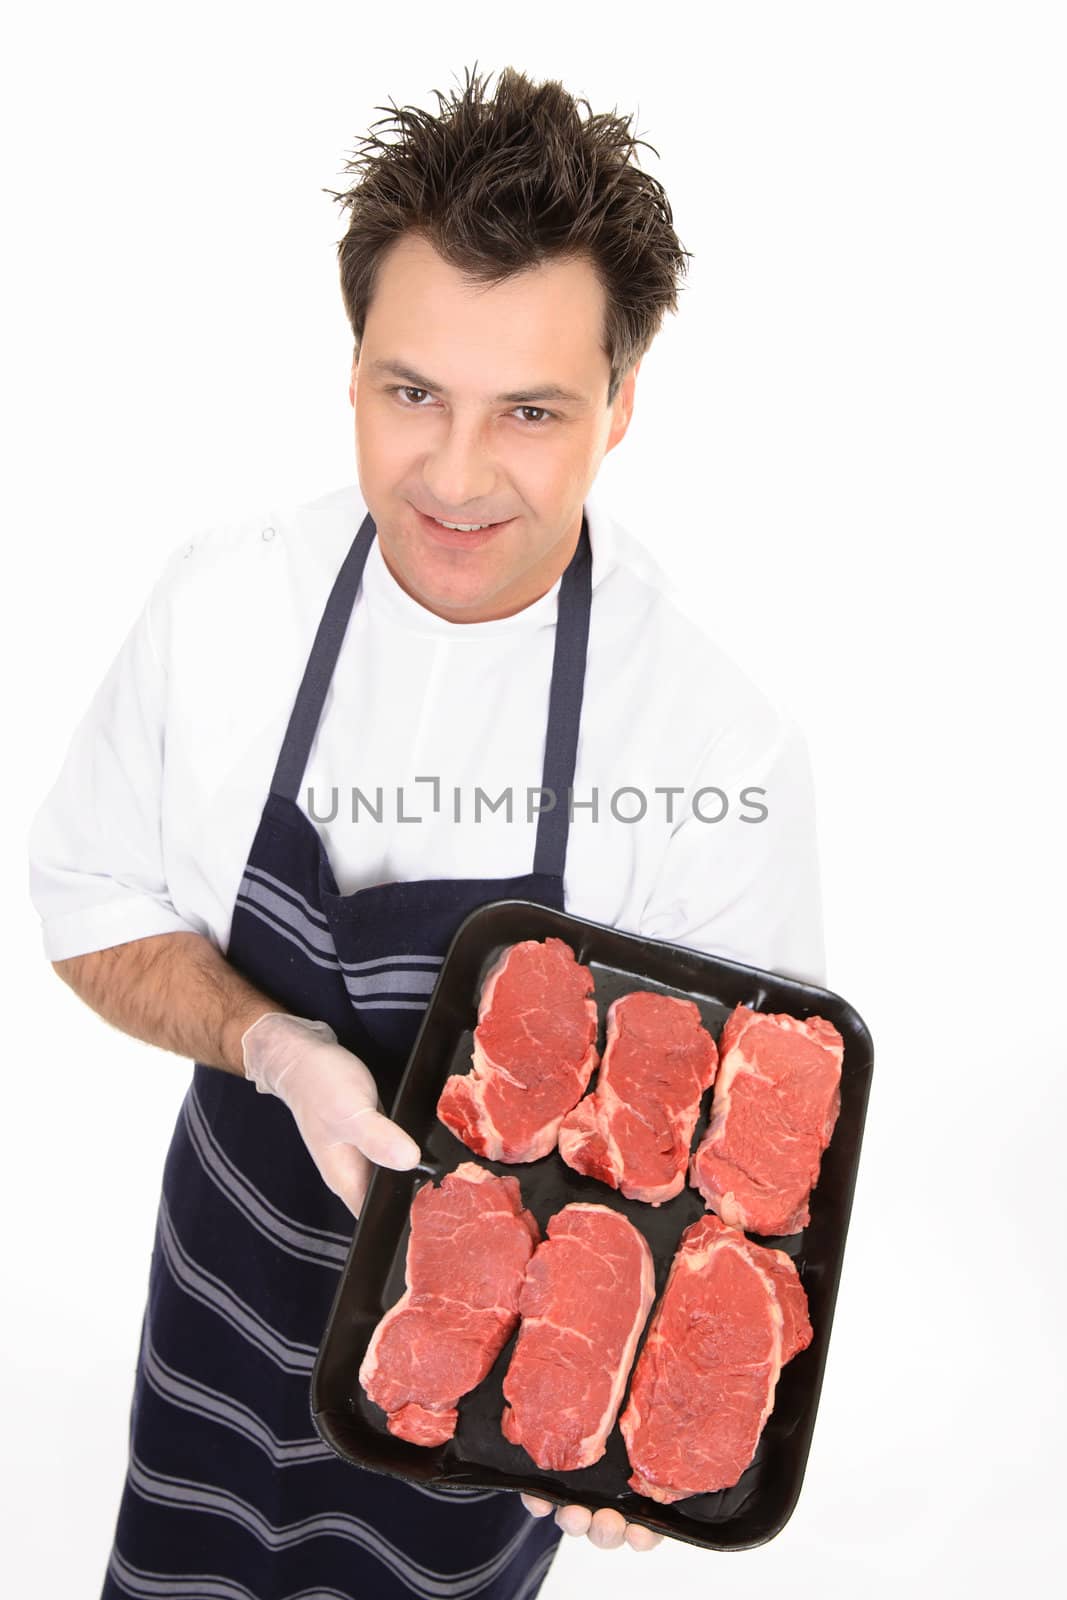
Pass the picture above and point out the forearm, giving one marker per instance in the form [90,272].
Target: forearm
[173,990]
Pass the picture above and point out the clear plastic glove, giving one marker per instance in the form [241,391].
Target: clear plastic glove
[333,1098]
[606,1529]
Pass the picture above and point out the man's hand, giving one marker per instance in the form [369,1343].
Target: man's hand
[333,1098]
[606,1529]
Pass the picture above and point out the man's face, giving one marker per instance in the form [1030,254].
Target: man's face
[453,421]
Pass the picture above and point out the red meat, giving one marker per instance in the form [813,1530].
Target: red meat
[467,1253]
[587,1294]
[634,1131]
[534,1053]
[777,1097]
[731,1315]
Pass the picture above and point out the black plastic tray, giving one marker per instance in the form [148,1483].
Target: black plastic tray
[760,1504]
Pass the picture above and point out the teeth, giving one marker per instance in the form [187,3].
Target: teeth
[464,527]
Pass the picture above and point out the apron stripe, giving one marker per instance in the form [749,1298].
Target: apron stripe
[294,911]
[287,915]
[285,890]
[536,1575]
[198,1586]
[391,975]
[293,937]
[391,961]
[316,1245]
[201,1586]
[389,1005]
[161,1488]
[212,1292]
[402,982]
[188,1394]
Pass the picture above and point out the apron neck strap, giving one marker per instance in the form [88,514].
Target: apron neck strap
[311,696]
[565,706]
[564,703]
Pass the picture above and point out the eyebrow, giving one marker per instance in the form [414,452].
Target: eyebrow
[536,392]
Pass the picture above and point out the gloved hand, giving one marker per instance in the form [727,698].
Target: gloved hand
[333,1098]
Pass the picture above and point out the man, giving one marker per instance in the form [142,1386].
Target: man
[468,621]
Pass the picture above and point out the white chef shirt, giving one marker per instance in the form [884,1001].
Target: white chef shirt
[149,824]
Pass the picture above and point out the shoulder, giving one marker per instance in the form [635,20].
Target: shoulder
[664,645]
[235,547]
[258,559]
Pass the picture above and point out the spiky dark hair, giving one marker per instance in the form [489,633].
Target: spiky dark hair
[503,183]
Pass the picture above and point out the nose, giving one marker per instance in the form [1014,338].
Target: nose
[459,471]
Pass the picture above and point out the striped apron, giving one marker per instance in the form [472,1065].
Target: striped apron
[230,1494]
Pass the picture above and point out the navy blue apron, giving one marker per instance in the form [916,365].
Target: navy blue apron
[230,1494]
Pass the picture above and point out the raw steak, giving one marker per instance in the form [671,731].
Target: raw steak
[731,1315]
[467,1252]
[776,1102]
[635,1129]
[534,1053]
[588,1291]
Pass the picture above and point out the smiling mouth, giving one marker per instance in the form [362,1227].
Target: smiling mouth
[464,527]
[463,537]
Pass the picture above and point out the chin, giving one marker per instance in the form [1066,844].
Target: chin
[438,586]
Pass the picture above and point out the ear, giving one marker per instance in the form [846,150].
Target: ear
[622,410]
[352,378]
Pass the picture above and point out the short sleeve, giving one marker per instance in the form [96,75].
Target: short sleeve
[746,886]
[97,876]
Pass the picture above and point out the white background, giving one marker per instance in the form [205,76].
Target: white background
[850,442]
